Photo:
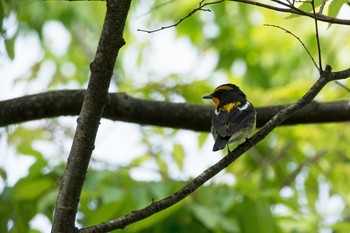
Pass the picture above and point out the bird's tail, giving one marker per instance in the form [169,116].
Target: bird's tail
[220,143]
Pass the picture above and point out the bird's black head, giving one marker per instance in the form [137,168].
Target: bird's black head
[226,93]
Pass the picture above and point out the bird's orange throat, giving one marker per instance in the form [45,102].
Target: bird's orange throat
[216,101]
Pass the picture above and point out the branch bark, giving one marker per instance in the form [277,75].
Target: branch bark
[95,100]
[289,8]
[122,107]
[157,206]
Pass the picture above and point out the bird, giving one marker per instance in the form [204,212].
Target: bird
[234,118]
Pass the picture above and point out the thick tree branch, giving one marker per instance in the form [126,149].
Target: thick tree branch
[157,206]
[122,107]
[95,100]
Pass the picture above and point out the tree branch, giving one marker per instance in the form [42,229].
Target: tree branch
[157,206]
[122,107]
[287,8]
[199,8]
[95,100]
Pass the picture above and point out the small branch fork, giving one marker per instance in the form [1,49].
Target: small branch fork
[288,7]
[319,67]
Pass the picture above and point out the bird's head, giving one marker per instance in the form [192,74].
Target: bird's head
[226,93]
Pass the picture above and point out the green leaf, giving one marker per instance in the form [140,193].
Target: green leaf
[207,216]
[28,189]
[335,6]
[2,14]
[179,155]
[22,219]
[165,218]
[3,174]
[341,226]
[307,6]
[112,194]
[162,165]
[139,160]
[47,200]
[255,216]
[202,139]
[34,231]
[10,47]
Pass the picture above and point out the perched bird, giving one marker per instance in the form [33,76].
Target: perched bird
[234,117]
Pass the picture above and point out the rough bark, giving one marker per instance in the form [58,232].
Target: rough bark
[122,107]
[95,100]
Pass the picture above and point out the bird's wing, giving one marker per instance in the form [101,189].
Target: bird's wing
[227,123]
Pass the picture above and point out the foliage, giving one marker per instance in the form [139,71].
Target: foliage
[294,181]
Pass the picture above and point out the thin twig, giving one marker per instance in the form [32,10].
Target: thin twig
[156,8]
[317,37]
[199,8]
[287,8]
[289,32]
[343,86]
[322,6]
[290,3]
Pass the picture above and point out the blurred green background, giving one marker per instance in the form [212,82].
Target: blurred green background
[296,180]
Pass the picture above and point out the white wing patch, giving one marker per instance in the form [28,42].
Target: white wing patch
[244,107]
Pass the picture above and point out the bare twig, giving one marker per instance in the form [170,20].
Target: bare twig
[199,8]
[322,6]
[156,7]
[289,32]
[291,3]
[343,86]
[317,37]
[287,8]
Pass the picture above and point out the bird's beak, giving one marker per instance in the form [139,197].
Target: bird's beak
[207,96]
